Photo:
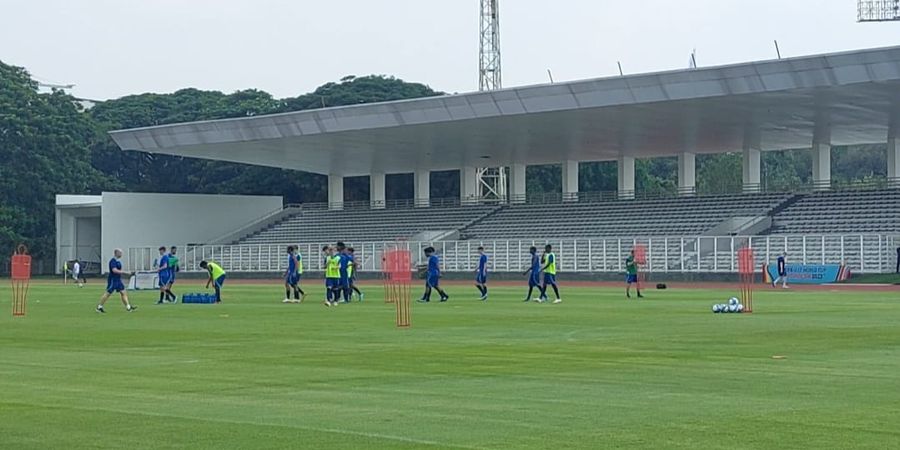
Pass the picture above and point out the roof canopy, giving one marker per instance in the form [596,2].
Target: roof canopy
[771,105]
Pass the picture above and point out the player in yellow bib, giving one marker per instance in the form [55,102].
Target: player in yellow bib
[332,264]
[216,277]
[549,270]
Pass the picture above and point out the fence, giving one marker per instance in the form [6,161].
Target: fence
[863,253]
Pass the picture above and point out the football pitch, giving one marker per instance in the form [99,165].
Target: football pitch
[594,372]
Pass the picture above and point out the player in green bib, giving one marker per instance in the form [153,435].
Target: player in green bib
[216,277]
[631,275]
[332,264]
[549,270]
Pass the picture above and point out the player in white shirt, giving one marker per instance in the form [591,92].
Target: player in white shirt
[77,275]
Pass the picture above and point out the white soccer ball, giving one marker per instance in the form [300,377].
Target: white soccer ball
[717,308]
[732,308]
[740,307]
[733,301]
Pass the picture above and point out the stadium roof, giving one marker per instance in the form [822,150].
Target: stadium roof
[776,103]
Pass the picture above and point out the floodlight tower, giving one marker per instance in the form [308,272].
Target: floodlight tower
[491,180]
[489,56]
[877,10]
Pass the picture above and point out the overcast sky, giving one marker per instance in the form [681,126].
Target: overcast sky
[111,48]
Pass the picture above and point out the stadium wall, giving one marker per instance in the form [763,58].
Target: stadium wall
[91,227]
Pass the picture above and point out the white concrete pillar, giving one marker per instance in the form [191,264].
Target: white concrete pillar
[570,181]
[626,177]
[468,184]
[376,190]
[821,166]
[893,161]
[687,173]
[752,171]
[335,192]
[517,183]
[422,188]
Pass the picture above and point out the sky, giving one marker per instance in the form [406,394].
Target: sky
[112,48]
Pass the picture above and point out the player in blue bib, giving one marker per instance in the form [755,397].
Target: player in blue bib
[433,277]
[782,271]
[292,278]
[534,276]
[114,283]
[343,263]
[164,274]
[481,274]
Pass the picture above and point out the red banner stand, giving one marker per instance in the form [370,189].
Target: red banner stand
[397,275]
[21,278]
[746,268]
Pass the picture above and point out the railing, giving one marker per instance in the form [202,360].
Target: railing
[863,253]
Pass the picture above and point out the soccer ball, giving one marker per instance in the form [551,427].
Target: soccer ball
[732,308]
[717,308]
[733,301]
[740,307]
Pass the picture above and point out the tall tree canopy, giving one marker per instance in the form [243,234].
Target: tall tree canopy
[45,142]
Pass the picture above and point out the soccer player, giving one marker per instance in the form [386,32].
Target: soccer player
[292,277]
[344,261]
[114,283]
[76,273]
[164,275]
[782,271]
[481,274]
[216,277]
[174,267]
[549,270]
[433,277]
[299,273]
[351,270]
[534,280]
[631,275]
[332,275]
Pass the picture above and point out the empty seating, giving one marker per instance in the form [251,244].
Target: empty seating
[626,218]
[875,211]
[358,225]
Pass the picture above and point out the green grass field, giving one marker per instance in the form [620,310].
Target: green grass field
[594,372]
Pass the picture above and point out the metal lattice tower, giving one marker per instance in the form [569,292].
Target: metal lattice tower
[489,56]
[878,10]
[491,180]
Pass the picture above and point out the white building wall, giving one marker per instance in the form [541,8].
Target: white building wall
[151,220]
[78,231]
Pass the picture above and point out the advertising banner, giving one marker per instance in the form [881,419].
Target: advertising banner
[808,273]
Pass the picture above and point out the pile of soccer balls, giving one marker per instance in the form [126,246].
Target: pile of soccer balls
[733,306]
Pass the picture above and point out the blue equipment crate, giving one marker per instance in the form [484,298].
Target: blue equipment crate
[198,298]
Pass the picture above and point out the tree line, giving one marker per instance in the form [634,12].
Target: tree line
[50,144]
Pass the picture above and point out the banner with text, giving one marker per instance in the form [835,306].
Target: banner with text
[808,273]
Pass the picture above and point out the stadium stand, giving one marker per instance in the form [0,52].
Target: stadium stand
[658,217]
[661,217]
[358,225]
[872,211]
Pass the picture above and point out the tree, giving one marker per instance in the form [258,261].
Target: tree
[44,146]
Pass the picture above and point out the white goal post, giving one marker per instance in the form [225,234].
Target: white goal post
[143,281]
